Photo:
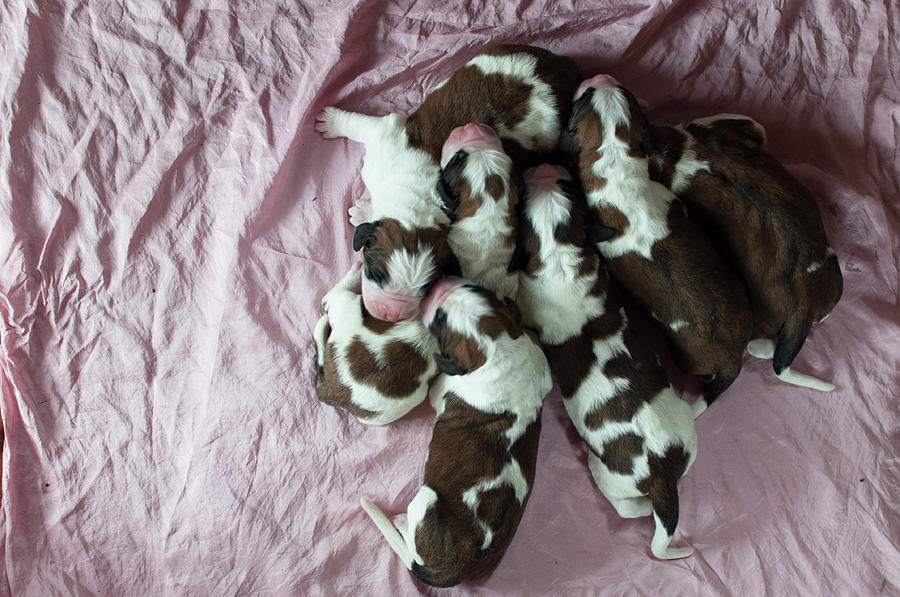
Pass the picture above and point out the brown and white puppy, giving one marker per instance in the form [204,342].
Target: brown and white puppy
[650,246]
[522,92]
[376,370]
[765,224]
[477,189]
[481,459]
[640,434]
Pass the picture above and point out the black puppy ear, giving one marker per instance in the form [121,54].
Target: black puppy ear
[598,234]
[514,307]
[519,258]
[567,142]
[448,198]
[453,268]
[364,232]
[448,365]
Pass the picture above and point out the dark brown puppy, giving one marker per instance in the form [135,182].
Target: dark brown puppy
[482,456]
[522,92]
[651,247]
[765,224]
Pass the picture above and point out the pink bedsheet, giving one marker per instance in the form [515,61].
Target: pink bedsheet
[171,220]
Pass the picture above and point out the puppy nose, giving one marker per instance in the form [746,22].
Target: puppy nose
[473,136]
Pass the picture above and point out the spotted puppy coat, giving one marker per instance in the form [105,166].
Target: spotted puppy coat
[640,434]
[377,370]
[650,246]
[477,189]
[481,460]
[765,224]
[522,92]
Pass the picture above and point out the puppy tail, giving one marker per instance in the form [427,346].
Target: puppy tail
[793,335]
[663,491]
[320,339]
[390,532]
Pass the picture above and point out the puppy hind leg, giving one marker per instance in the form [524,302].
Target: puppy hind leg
[635,507]
[320,339]
[761,348]
[619,490]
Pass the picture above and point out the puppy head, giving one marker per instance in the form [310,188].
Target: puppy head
[606,114]
[474,168]
[467,320]
[400,266]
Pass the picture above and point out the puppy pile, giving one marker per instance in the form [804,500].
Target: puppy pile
[512,218]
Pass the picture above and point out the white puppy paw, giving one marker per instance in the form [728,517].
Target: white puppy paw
[327,122]
[361,212]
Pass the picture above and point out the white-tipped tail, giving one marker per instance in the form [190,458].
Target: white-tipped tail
[660,543]
[804,380]
[390,532]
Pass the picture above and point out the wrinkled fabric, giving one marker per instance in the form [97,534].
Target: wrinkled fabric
[171,220]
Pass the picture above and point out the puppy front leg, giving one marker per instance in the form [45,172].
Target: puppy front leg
[333,122]
[345,293]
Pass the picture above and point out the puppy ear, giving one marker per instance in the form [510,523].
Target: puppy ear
[519,258]
[598,234]
[448,365]
[567,142]
[453,268]
[514,307]
[363,234]
[448,198]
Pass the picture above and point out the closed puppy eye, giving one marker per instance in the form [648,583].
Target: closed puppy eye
[376,274]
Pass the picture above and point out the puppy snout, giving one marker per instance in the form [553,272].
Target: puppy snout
[472,137]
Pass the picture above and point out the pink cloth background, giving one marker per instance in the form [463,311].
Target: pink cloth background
[171,220]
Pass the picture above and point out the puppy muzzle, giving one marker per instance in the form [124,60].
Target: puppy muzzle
[386,305]
[471,137]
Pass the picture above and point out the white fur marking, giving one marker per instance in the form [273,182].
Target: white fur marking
[807,381]
[678,324]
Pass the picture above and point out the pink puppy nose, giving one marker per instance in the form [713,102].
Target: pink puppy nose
[598,81]
[473,137]
[545,172]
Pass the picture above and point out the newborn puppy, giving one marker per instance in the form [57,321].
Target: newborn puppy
[640,434]
[650,246]
[376,370]
[521,91]
[765,224]
[477,189]
[481,459]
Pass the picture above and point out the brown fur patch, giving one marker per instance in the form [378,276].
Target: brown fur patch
[618,454]
[501,321]
[495,187]
[332,391]
[572,360]
[397,376]
[646,379]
